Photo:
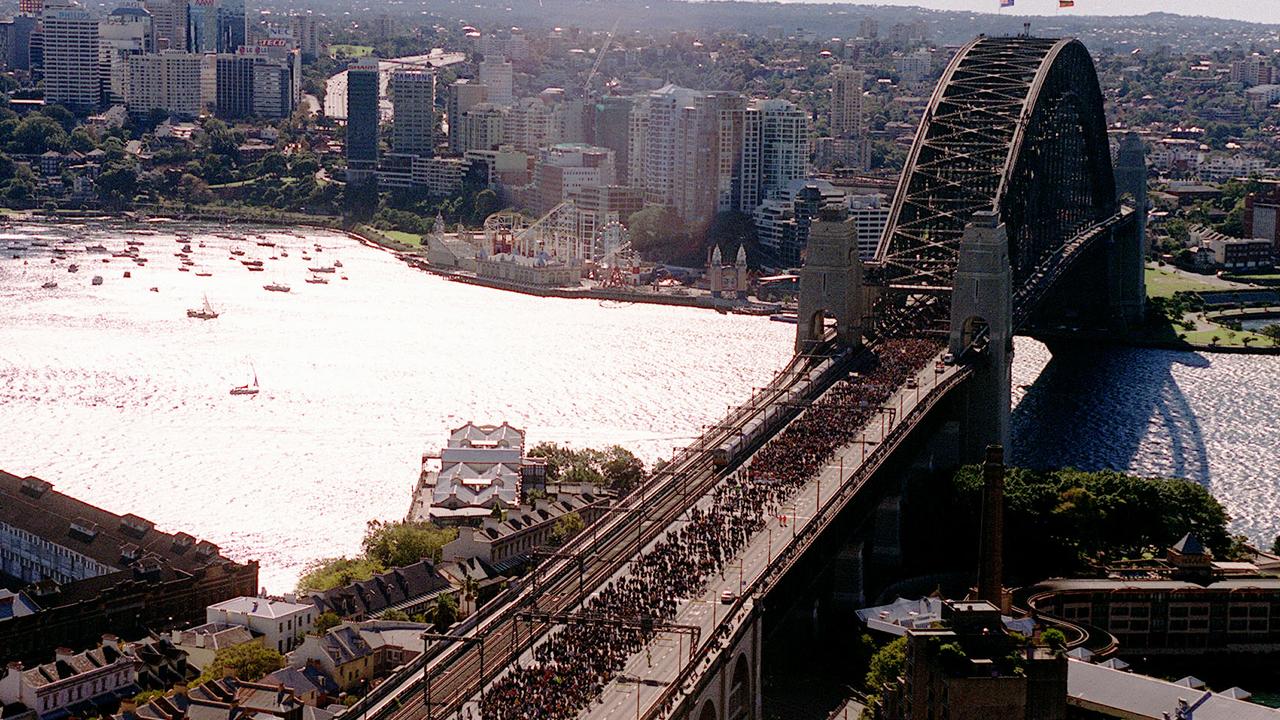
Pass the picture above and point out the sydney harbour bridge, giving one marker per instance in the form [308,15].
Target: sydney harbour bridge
[1010,217]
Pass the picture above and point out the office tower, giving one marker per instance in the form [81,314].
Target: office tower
[168,81]
[496,75]
[413,103]
[30,7]
[252,83]
[483,127]
[686,159]
[849,146]
[169,20]
[529,125]
[15,42]
[609,125]
[463,95]
[216,25]
[362,119]
[306,32]
[637,142]
[783,145]
[125,32]
[70,36]
[562,171]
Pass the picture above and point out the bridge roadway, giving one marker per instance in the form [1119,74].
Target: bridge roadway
[455,669]
[656,678]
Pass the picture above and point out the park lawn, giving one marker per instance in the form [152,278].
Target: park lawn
[403,238]
[1205,337]
[350,50]
[1164,283]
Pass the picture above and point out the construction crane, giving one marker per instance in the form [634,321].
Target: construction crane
[586,86]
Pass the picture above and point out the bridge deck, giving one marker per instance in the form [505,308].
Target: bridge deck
[649,676]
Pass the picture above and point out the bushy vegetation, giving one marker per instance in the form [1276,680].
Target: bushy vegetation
[385,545]
[1065,521]
[248,662]
[614,467]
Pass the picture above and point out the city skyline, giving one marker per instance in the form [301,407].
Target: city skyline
[1260,11]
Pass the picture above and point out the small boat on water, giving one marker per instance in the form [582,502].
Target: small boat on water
[252,262]
[337,263]
[50,284]
[39,243]
[96,249]
[317,280]
[184,268]
[186,248]
[73,268]
[128,274]
[251,389]
[155,289]
[266,243]
[321,269]
[204,313]
[306,257]
[203,273]
[237,251]
[276,287]
[134,243]
[97,280]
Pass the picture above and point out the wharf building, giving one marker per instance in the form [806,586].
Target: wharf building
[482,468]
[90,571]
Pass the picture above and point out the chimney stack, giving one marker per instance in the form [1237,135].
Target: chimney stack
[991,562]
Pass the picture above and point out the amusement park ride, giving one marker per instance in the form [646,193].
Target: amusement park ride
[565,235]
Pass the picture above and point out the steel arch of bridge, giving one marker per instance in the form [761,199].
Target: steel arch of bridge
[1015,126]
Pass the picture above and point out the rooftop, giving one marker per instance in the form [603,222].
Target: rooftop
[1113,692]
[259,607]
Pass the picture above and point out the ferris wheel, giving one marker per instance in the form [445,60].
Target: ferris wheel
[612,247]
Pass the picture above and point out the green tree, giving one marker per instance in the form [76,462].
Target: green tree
[328,573]
[117,185]
[82,141]
[567,526]
[394,544]
[622,470]
[248,662]
[1054,638]
[484,204]
[194,190]
[444,612]
[274,164]
[1272,333]
[37,134]
[886,665]
[395,615]
[326,621]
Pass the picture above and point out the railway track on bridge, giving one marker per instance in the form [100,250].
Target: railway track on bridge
[494,638]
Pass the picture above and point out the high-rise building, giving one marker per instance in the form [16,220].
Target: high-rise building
[783,145]
[564,170]
[413,102]
[869,215]
[496,75]
[637,142]
[169,21]
[125,32]
[1253,70]
[529,126]
[685,157]
[783,220]
[254,83]
[846,101]
[305,30]
[70,60]
[216,25]
[363,90]
[15,42]
[168,81]
[463,95]
[30,7]
[609,125]
[483,127]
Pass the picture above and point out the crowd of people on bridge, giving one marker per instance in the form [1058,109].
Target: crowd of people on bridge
[573,665]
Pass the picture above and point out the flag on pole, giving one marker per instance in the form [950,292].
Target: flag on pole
[1066,3]
[1006,3]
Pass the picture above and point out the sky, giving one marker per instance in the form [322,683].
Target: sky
[1266,11]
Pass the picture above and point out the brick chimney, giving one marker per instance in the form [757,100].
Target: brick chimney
[991,562]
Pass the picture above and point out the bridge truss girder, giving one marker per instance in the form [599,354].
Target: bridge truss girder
[1015,126]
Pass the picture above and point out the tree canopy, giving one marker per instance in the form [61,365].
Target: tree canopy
[614,467]
[248,662]
[385,545]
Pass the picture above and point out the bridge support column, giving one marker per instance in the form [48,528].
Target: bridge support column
[981,307]
[831,283]
[1126,257]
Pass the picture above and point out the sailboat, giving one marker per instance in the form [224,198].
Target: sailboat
[205,313]
[247,389]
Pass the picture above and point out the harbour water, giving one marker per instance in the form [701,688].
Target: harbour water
[112,393]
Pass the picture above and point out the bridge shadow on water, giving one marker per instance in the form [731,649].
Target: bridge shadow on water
[1096,408]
